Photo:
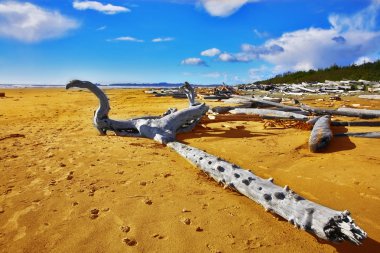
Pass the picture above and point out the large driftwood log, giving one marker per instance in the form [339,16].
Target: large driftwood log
[322,221]
[321,134]
[350,112]
[268,112]
[262,101]
[161,129]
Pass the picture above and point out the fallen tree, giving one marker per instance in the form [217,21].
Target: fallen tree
[322,221]
[350,112]
[161,129]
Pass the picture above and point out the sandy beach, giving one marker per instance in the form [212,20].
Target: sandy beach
[65,188]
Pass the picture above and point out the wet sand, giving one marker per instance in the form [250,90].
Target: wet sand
[64,188]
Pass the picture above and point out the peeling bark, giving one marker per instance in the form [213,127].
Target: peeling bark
[322,221]
[161,129]
[321,134]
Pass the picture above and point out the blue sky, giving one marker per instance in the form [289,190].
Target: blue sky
[200,41]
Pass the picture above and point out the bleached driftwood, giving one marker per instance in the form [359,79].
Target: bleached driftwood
[268,112]
[161,129]
[362,113]
[322,221]
[350,112]
[362,135]
[262,101]
[321,134]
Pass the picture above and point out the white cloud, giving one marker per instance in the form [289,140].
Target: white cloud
[128,38]
[194,62]
[210,52]
[97,6]
[223,8]
[30,23]
[261,34]
[226,57]
[363,59]
[348,39]
[101,28]
[165,39]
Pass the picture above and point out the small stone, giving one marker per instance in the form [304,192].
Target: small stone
[199,229]
[75,203]
[94,211]
[62,165]
[130,242]
[185,210]
[143,183]
[125,229]
[106,209]
[69,177]
[186,221]
[1,210]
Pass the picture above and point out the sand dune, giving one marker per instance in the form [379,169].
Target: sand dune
[64,188]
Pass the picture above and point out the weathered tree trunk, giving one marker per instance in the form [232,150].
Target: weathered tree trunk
[322,221]
[350,112]
[278,105]
[161,129]
[321,134]
[268,112]
[362,135]
[355,123]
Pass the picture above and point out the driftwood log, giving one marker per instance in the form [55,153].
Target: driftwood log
[161,129]
[268,112]
[350,112]
[322,221]
[321,134]
[270,103]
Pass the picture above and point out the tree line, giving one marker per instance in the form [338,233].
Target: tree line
[368,71]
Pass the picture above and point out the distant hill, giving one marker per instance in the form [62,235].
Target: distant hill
[367,71]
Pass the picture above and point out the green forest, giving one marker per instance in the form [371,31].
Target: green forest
[366,71]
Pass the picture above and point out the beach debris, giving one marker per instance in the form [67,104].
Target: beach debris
[370,96]
[161,129]
[322,221]
[321,134]
[343,111]
[199,229]
[2,94]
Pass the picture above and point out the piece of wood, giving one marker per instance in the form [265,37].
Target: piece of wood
[268,112]
[161,129]
[322,221]
[362,135]
[350,112]
[262,101]
[321,134]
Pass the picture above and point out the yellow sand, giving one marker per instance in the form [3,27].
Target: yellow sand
[55,169]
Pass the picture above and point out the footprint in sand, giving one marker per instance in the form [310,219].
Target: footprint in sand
[130,242]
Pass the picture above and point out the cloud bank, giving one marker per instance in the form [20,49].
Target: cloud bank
[27,22]
[97,6]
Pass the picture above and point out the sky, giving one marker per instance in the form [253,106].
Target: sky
[200,41]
